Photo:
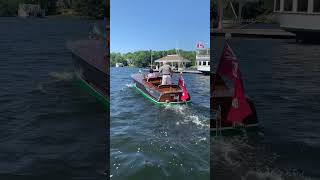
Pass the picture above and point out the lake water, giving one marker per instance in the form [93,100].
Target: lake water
[49,127]
[283,80]
[151,142]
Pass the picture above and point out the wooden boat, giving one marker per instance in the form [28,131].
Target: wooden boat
[221,101]
[91,64]
[152,89]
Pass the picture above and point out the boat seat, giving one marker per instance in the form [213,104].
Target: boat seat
[154,79]
[169,88]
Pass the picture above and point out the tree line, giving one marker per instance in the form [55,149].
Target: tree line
[88,8]
[143,58]
[251,10]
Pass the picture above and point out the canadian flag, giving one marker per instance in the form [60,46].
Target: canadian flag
[185,94]
[200,45]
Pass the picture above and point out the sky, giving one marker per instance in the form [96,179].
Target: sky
[158,24]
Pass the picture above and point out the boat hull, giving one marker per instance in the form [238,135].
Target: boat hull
[227,128]
[91,70]
[154,95]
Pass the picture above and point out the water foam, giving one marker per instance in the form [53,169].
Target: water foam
[62,76]
[189,116]
[238,154]
[130,85]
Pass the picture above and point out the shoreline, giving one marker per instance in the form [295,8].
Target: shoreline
[55,17]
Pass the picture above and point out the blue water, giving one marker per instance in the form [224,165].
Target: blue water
[151,142]
[49,127]
[283,80]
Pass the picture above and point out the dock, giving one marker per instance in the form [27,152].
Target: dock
[190,71]
[261,33]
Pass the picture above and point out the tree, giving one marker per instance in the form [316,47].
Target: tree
[89,8]
[9,7]
[143,58]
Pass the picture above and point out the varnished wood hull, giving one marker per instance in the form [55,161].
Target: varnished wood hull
[91,66]
[156,95]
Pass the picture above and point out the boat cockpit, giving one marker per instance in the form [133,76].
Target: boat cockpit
[163,88]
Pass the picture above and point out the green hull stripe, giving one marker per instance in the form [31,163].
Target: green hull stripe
[156,102]
[92,91]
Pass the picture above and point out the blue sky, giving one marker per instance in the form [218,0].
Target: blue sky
[158,24]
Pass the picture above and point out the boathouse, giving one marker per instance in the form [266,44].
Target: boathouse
[175,60]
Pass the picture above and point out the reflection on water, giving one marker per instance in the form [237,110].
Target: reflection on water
[283,79]
[151,142]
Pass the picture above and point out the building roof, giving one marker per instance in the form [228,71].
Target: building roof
[172,58]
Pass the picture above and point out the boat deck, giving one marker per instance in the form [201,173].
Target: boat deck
[156,83]
[92,51]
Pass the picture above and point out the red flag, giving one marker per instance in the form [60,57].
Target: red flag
[240,108]
[185,94]
[228,65]
[229,68]
[181,81]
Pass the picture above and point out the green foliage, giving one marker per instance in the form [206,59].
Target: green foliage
[117,58]
[143,58]
[251,9]
[9,7]
[89,8]
[214,15]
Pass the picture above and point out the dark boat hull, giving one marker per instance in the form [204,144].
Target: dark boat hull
[91,69]
[224,127]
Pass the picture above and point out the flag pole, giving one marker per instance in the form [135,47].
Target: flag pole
[227,37]
[151,58]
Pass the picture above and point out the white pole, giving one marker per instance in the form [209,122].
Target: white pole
[220,10]
[151,58]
